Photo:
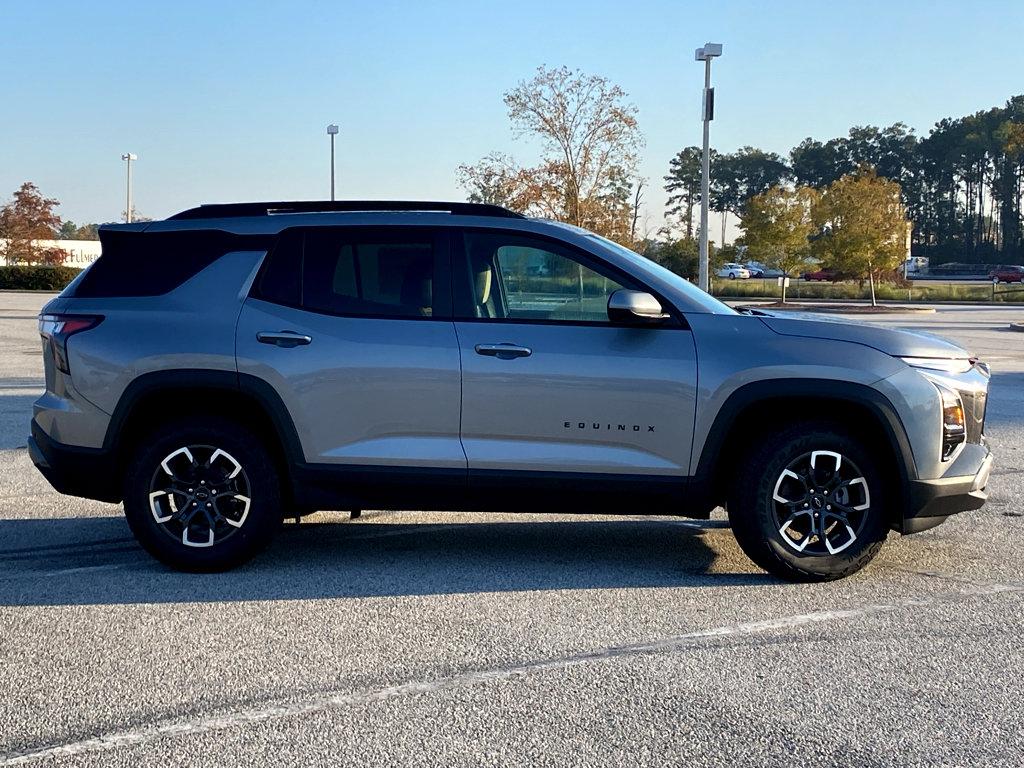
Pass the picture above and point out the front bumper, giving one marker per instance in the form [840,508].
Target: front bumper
[932,501]
[73,470]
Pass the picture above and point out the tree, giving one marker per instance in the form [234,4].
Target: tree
[683,185]
[778,225]
[136,216]
[738,176]
[680,255]
[638,199]
[863,227]
[589,141]
[88,232]
[26,220]
[816,164]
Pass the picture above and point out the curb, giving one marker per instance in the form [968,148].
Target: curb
[881,302]
[844,309]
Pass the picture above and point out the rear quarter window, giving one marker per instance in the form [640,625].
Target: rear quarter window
[154,263]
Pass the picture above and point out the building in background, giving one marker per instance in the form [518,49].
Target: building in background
[81,253]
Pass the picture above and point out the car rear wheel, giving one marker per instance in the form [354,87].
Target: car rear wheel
[202,495]
[808,504]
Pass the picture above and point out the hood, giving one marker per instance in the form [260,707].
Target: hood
[892,341]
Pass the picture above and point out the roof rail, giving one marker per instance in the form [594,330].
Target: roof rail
[224,210]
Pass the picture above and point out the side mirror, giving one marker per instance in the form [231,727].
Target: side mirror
[637,307]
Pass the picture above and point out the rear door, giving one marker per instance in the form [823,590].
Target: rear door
[352,327]
[551,388]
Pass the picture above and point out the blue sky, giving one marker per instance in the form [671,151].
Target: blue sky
[229,101]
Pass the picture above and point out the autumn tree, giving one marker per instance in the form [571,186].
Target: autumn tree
[863,227]
[778,225]
[589,140]
[25,221]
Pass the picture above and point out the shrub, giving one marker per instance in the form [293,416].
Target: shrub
[37,277]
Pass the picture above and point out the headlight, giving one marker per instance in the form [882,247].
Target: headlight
[954,426]
[946,365]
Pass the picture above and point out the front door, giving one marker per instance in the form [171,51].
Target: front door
[551,388]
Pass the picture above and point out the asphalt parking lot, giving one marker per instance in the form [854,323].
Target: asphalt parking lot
[465,639]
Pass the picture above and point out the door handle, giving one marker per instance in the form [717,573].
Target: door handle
[504,351]
[283,338]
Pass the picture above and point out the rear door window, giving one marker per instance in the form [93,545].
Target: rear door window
[360,272]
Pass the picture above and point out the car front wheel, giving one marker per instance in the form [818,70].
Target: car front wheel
[808,504]
[202,495]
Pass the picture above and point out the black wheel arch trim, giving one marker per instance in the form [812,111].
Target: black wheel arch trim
[180,380]
[183,380]
[749,395]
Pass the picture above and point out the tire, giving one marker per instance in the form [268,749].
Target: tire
[243,506]
[761,487]
[732,276]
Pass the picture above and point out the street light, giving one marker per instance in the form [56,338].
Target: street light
[128,157]
[332,131]
[706,54]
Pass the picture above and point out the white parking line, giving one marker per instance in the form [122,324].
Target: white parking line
[330,701]
[78,569]
[32,575]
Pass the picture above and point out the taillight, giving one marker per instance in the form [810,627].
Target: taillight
[56,329]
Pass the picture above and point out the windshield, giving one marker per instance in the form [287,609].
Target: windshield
[679,283]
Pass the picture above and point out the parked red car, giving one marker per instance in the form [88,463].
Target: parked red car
[830,275]
[1007,273]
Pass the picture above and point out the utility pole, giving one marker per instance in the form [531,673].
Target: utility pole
[332,131]
[128,157]
[706,54]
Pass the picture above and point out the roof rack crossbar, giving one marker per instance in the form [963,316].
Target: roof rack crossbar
[224,210]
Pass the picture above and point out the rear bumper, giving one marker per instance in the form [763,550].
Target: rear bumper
[73,470]
[932,501]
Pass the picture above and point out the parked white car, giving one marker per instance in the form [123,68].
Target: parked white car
[733,270]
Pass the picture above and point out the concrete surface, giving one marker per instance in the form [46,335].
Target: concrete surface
[491,640]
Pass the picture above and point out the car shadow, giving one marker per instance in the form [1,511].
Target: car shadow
[75,561]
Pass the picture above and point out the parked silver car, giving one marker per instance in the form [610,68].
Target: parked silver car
[236,363]
[759,270]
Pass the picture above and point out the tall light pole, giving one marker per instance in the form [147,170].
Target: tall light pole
[128,157]
[332,131]
[706,54]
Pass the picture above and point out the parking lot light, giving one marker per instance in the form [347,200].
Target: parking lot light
[332,131]
[128,157]
[706,54]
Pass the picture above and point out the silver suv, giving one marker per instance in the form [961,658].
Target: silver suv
[238,363]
